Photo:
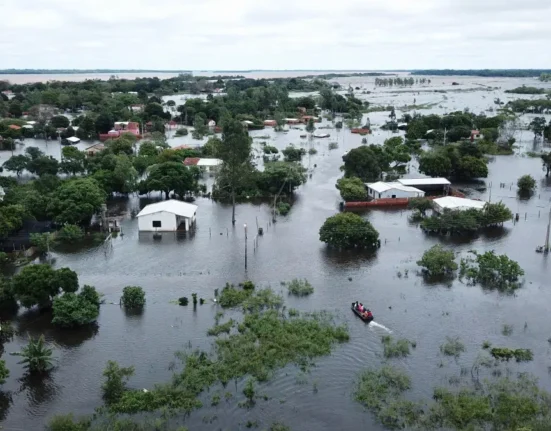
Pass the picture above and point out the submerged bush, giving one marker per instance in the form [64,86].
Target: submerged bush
[116,378]
[133,297]
[283,208]
[348,230]
[452,347]
[493,271]
[299,287]
[505,354]
[70,233]
[395,348]
[438,262]
[223,328]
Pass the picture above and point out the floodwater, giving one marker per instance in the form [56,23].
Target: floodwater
[386,280]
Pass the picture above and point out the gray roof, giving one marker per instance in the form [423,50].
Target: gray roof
[182,209]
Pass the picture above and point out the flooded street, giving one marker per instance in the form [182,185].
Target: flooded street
[386,280]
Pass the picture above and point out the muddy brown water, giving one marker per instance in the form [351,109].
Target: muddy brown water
[214,254]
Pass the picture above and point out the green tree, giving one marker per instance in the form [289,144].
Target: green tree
[34,152]
[116,378]
[310,127]
[435,164]
[352,189]
[42,241]
[69,423]
[72,161]
[11,219]
[4,372]
[526,184]
[60,121]
[70,234]
[172,176]
[133,297]
[365,162]
[281,175]
[348,230]
[86,129]
[494,214]
[491,270]
[537,125]
[43,165]
[546,159]
[15,108]
[438,262]
[16,164]
[104,122]
[471,167]
[76,200]
[39,284]
[71,309]
[235,151]
[37,356]
[420,204]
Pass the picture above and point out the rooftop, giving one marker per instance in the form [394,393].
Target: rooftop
[455,203]
[381,187]
[424,182]
[182,209]
[209,162]
[73,139]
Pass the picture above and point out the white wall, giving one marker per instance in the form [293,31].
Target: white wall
[397,194]
[168,222]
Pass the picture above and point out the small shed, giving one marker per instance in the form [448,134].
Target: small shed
[270,123]
[94,149]
[167,216]
[73,140]
[457,204]
[395,190]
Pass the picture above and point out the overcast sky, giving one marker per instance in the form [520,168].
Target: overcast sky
[268,34]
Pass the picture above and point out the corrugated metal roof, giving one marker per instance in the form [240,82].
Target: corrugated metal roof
[209,162]
[455,203]
[424,182]
[173,206]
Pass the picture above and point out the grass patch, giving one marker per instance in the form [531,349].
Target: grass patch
[395,348]
[299,287]
[505,354]
[223,328]
[452,347]
[507,330]
[486,344]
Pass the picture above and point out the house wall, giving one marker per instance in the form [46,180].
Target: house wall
[396,193]
[168,222]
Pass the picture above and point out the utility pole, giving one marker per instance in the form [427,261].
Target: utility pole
[547,235]
[245,226]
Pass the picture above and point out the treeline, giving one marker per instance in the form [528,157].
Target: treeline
[544,77]
[526,90]
[495,73]
[538,106]
[81,71]
[399,82]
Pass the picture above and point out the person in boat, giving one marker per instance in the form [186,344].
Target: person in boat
[356,305]
[369,314]
[361,308]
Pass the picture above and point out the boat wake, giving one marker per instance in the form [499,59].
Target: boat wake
[378,325]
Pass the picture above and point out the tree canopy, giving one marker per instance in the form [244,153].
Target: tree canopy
[76,200]
[348,230]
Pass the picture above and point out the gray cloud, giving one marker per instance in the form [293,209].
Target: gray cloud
[247,34]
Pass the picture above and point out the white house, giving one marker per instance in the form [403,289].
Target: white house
[455,203]
[167,216]
[380,190]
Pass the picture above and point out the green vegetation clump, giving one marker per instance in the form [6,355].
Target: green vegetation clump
[222,328]
[526,184]
[37,356]
[420,204]
[72,309]
[232,297]
[299,287]
[526,90]
[395,348]
[348,230]
[182,132]
[293,154]
[505,354]
[492,271]
[452,347]
[269,149]
[283,208]
[352,189]
[470,220]
[312,151]
[70,233]
[116,378]
[438,262]
[133,297]
[333,145]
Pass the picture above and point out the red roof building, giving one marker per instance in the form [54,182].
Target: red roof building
[191,161]
[271,123]
[14,127]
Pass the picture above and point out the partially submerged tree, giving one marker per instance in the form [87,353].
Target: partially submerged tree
[491,270]
[438,262]
[235,151]
[71,309]
[76,201]
[116,378]
[133,297]
[526,184]
[537,125]
[37,356]
[352,189]
[348,230]
[420,204]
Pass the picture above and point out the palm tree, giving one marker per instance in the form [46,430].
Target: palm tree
[37,356]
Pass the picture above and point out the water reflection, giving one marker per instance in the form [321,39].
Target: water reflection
[39,388]
[6,401]
[346,258]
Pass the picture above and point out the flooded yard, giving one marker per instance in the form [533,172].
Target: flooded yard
[386,280]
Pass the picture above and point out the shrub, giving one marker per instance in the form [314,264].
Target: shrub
[249,391]
[352,189]
[438,262]
[333,146]
[37,356]
[312,151]
[182,132]
[232,297]
[493,271]
[42,241]
[4,372]
[293,154]
[505,354]
[452,347]
[133,297]
[526,184]
[269,149]
[299,287]
[116,378]
[248,285]
[348,230]
[69,423]
[395,349]
[283,208]
[420,204]
[223,328]
[70,309]
[70,233]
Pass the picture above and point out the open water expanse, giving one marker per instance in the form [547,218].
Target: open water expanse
[386,280]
